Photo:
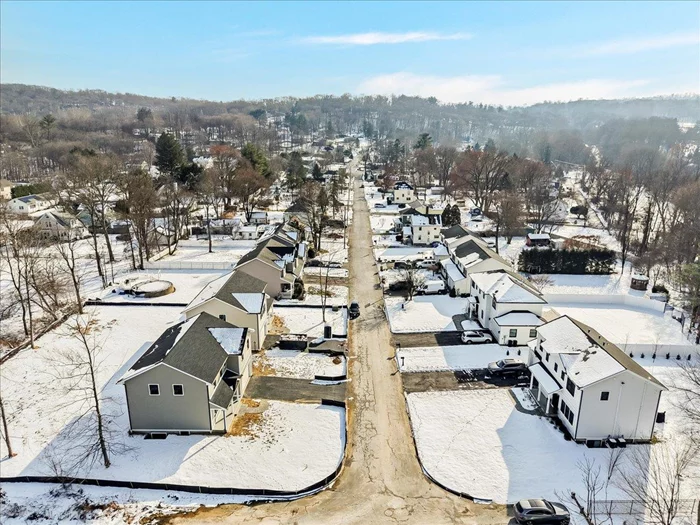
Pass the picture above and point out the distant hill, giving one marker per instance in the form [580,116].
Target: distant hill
[21,98]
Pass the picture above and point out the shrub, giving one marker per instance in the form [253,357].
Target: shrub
[659,288]
[312,253]
[565,260]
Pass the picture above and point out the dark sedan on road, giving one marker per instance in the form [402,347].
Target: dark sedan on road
[534,511]
[506,367]
[354,310]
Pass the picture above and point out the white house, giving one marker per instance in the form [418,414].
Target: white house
[6,189]
[258,217]
[507,306]
[27,204]
[420,223]
[595,389]
[403,193]
[62,226]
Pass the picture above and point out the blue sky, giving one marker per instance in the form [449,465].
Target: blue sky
[507,53]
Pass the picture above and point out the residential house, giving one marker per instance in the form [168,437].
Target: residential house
[27,204]
[238,298]
[259,217]
[468,255]
[420,223]
[278,259]
[247,232]
[6,189]
[538,239]
[403,193]
[508,306]
[61,226]
[191,379]
[595,389]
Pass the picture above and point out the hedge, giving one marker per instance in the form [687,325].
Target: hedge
[594,261]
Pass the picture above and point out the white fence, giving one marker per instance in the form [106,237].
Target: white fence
[182,265]
[627,300]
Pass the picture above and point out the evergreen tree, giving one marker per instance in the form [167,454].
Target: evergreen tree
[257,159]
[169,155]
[316,173]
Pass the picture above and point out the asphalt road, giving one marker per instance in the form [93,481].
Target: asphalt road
[382,481]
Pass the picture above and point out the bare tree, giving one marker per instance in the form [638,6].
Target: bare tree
[209,191]
[688,386]
[508,215]
[249,187]
[67,251]
[91,436]
[5,430]
[480,174]
[413,280]
[314,200]
[653,477]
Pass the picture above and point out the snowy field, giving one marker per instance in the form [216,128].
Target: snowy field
[187,283]
[224,249]
[301,365]
[476,442]
[338,296]
[427,313]
[276,458]
[309,321]
[333,249]
[623,324]
[338,273]
[459,357]
[613,284]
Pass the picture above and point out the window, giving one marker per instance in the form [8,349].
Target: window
[556,367]
[546,356]
[570,386]
[222,317]
[513,332]
[563,374]
[533,333]
[178,390]
[153,390]
[604,396]
[567,412]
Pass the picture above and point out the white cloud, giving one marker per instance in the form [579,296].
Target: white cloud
[629,46]
[369,39]
[492,89]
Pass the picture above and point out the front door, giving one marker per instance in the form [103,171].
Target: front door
[554,404]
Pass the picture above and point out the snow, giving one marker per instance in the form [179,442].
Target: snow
[518,319]
[229,339]
[188,285]
[331,272]
[524,397]
[338,296]
[184,327]
[153,286]
[309,321]
[433,313]
[547,382]
[623,325]
[450,358]
[452,270]
[476,442]
[382,223]
[225,250]
[301,365]
[407,253]
[252,302]
[613,284]
[563,336]
[278,458]
[504,288]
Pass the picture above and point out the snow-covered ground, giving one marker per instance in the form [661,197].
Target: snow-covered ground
[382,223]
[187,283]
[309,321]
[392,276]
[224,250]
[301,365]
[338,296]
[476,442]
[623,324]
[333,249]
[39,412]
[426,313]
[459,357]
[322,272]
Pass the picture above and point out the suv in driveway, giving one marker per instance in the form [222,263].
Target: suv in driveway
[475,336]
[533,511]
[354,310]
[506,367]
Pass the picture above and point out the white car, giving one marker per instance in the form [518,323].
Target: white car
[473,336]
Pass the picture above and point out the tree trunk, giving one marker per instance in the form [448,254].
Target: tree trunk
[29,308]
[5,430]
[109,244]
[98,259]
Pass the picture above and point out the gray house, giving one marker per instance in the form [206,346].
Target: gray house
[191,379]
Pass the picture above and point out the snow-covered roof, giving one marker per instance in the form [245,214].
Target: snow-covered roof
[230,339]
[252,302]
[504,288]
[592,365]
[453,272]
[546,381]
[539,236]
[518,319]
[562,336]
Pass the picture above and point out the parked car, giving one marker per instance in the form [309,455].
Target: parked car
[402,265]
[474,336]
[540,511]
[333,264]
[398,285]
[474,212]
[432,287]
[434,244]
[477,218]
[425,264]
[506,367]
[313,263]
[354,310]
[380,205]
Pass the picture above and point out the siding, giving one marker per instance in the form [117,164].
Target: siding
[166,411]
[265,272]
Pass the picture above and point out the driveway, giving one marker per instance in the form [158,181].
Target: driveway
[382,481]
[461,380]
[292,389]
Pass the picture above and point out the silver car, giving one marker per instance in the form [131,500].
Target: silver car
[473,336]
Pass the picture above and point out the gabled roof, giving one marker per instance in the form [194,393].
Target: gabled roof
[63,219]
[518,319]
[505,288]
[591,357]
[193,348]
[234,288]
[455,232]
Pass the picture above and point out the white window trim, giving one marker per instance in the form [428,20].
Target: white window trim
[149,389]
[183,390]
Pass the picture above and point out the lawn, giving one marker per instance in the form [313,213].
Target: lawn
[427,313]
[459,357]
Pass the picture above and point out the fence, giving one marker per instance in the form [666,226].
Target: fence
[273,494]
[181,265]
[620,299]
[686,508]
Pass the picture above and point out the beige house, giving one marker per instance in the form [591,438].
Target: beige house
[403,193]
[238,298]
[420,223]
[191,379]
[6,189]
[61,226]
[595,389]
